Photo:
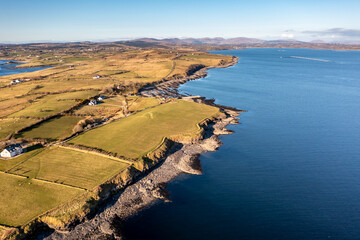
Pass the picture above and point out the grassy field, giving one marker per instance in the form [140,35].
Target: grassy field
[100,110]
[70,167]
[55,128]
[15,90]
[22,199]
[143,66]
[10,125]
[52,104]
[7,164]
[13,105]
[115,104]
[140,103]
[106,107]
[135,135]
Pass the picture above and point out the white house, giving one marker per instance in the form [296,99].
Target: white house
[18,81]
[96,77]
[13,82]
[93,102]
[12,151]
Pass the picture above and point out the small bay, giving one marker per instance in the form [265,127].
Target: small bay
[7,69]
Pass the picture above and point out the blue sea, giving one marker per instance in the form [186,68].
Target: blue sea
[4,69]
[291,170]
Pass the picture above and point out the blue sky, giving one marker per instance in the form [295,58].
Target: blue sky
[55,20]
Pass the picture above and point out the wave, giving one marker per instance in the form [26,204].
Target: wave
[313,59]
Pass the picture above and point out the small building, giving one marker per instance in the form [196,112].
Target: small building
[96,77]
[13,82]
[18,81]
[93,102]
[12,151]
[101,98]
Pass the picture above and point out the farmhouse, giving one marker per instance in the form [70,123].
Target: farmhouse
[101,98]
[12,151]
[13,82]
[96,77]
[93,102]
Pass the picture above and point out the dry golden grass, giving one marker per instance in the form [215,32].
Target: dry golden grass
[52,104]
[13,105]
[97,111]
[141,103]
[136,66]
[16,90]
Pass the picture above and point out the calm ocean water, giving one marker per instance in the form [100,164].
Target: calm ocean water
[5,71]
[292,168]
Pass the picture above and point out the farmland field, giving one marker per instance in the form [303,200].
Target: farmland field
[52,104]
[55,128]
[97,110]
[7,164]
[13,105]
[114,104]
[22,199]
[10,125]
[70,167]
[136,135]
[140,103]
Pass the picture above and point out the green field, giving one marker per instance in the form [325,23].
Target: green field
[7,164]
[10,125]
[22,199]
[70,167]
[55,128]
[136,135]
[52,104]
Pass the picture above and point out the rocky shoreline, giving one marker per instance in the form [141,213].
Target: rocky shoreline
[168,89]
[181,158]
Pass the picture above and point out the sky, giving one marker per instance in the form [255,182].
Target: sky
[107,20]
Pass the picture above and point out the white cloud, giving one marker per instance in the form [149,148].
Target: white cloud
[287,35]
[336,32]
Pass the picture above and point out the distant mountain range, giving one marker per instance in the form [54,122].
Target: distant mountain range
[216,41]
[232,41]
[212,41]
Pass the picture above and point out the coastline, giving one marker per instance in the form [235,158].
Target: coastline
[151,186]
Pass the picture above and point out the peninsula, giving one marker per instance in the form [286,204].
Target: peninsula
[91,130]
